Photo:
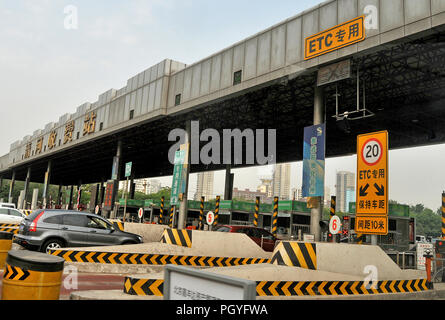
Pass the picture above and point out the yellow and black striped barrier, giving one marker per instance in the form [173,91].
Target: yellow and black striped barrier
[443,216]
[152,259]
[256,212]
[181,238]
[333,205]
[8,225]
[360,238]
[144,287]
[27,212]
[9,228]
[161,212]
[201,214]
[295,254]
[5,246]
[155,287]
[275,217]
[32,276]
[118,224]
[172,213]
[338,288]
[218,200]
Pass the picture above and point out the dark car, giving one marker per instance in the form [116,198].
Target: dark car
[263,238]
[55,229]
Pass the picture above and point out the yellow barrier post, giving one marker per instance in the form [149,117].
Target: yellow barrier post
[5,246]
[32,276]
[201,214]
[257,211]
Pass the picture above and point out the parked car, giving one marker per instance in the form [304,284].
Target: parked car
[54,229]
[263,238]
[11,216]
[7,205]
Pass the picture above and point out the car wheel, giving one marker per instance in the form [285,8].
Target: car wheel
[52,244]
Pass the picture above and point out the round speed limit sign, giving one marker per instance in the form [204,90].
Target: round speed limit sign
[335,225]
[210,218]
[372,152]
[140,213]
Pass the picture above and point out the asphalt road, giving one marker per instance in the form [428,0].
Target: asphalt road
[86,281]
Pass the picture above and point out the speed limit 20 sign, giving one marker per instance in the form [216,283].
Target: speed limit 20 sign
[372,180]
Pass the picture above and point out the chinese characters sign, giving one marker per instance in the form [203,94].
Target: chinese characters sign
[371,225]
[89,124]
[110,193]
[69,129]
[372,183]
[314,161]
[180,157]
[335,38]
[52,139]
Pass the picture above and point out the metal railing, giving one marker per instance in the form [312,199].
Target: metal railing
[438,270]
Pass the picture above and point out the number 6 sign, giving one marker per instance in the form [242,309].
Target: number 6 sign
[335,225]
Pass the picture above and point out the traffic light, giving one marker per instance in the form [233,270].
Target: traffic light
[440,246]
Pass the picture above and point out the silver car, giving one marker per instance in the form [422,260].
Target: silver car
[54,229]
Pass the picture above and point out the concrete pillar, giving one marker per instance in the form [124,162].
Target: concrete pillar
[132,188]
[319,118]
[183,205]
[46,185]
[20,201]
[79,194]
[118,174]
[11,187]
[35,197]
[100,199]
[59,196]
[28,178]
[228,186]
[70,200]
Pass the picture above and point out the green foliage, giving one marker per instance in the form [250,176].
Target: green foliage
[428,222]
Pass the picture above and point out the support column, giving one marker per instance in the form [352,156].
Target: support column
[79,195]
[28,178]
[59,196]
[11,187]
[319,118]
[70,199]
[102,194]
[117,172]
[228,187]
[46,186]
[183,204]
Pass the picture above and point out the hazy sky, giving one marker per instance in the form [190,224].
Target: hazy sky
[47,70]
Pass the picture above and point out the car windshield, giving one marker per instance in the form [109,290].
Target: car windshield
[15,213]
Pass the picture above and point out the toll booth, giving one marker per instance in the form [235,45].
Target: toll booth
[293,216]
[401,229]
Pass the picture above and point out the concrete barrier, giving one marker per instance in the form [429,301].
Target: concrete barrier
[149,232]
[275,280]
[350,259]
[227,245]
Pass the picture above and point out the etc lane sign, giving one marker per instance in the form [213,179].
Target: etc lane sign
[372,183]
[335,38]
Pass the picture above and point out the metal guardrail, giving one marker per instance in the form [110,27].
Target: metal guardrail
[438,272]
[405,260]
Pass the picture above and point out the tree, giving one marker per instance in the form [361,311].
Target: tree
[428,222]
